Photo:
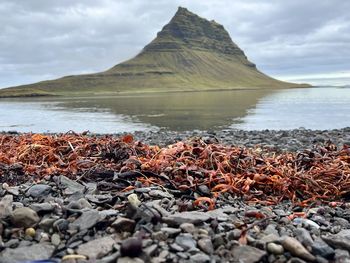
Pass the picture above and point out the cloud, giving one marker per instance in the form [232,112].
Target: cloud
[43,39]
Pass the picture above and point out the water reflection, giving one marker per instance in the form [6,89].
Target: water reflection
[177,111]
[315,108]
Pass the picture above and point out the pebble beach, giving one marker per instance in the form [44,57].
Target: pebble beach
[64,218]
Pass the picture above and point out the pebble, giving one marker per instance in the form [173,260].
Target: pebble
[185,241]
[6,206]
[97,248]
[188,227]
[55,239]
[297,249]
[30,232]
[193,217]
[206,245]
[247,254]
[24,217]
[321,248]
[274,248]
[124,224]
[39,190]
[131,247]
[87,220]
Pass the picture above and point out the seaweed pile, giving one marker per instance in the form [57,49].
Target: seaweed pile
[200,169]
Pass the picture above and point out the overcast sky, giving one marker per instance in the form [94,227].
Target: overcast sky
[289,39]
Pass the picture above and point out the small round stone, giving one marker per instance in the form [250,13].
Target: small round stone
[30,232]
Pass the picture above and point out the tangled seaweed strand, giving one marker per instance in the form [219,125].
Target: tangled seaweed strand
[320,174]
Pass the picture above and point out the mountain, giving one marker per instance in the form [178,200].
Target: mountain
[190,53]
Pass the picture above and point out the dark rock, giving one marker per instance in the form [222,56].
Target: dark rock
[321,248]
[194,217]
[131,247]
[70,187]
[87,220]
[39,190]
[124,224]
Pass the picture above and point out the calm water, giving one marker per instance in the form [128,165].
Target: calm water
[315,108]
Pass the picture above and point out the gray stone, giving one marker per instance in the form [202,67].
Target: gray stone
[70,186]
[159,193]
[55,239]
[185,241]
[124,224]
[340,240]
[175,247]
[188,227]
[303,236]
[87,220]
[271,229]
[34,252]
[6,206]
[206,245]
[247,254]
[24,217]
[321,248]
[97,248]
[46,223]
[39,190]
[274,248]
[200,258]
[171,232]
[151,250]
[42,207]
[297,249]
[129,260]
[193,217]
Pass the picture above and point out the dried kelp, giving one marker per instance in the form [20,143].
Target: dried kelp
[320,174]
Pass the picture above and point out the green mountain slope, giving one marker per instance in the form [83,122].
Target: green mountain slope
[190,53]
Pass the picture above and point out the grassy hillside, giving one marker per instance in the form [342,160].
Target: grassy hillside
[189,54]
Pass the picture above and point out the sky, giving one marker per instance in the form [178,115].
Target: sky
[295,40]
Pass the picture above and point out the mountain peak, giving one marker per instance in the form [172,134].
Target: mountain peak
[188,30]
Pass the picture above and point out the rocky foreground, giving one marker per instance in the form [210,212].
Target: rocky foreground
[68,211]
